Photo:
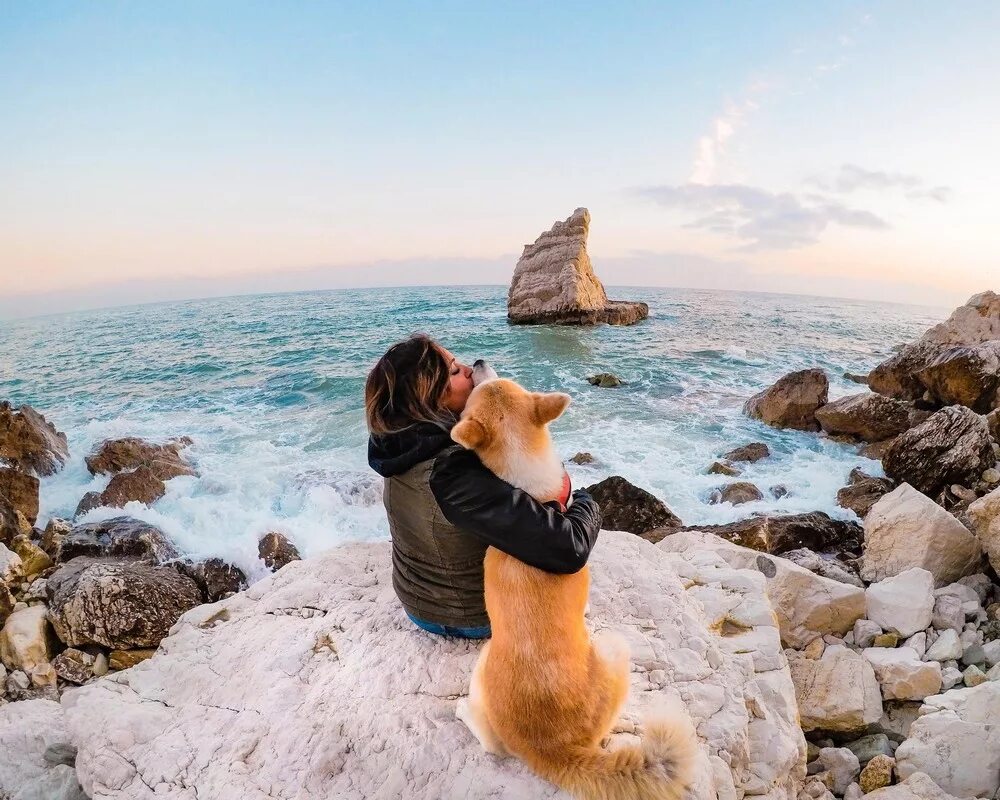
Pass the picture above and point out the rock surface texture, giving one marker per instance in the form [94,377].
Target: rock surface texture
[626,507]
[30,443]
[984,514]
[32,734]
[337,695]
[792,401]
[868,417]
[554,282]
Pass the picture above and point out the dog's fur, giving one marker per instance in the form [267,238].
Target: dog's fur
[543,690]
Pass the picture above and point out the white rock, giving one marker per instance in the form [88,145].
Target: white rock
[984,514]
[917,786]
[901,673]
[907,529]
[917,643]
[853,792]
[950,677]
[903,603]
[865,632]
[947,647]
[24,640]
[991,650]
[806,604]
[948,613]
[994,673]
[838,692]
[313,684]
[10,565]
[27,728]
[842,764]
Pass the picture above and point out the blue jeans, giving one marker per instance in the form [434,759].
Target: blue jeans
[449,630]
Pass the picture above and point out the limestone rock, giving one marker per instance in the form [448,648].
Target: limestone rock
[24,639]
[29,443]
[837,692]
[33,559]
[11,568]
[792,401]
[276,551]
[984,515]
[122,537]
[907,529]
[322,643]
[625,507]
[862,492]
[953,445]
[140,485]
[903,603]
[901,673]
[917,786]
[805,604]
[947,647]
[868,417]
[966,376]
[117,604]
[777,534]
[736,493]
[28,731]
[20,490]
[827,567]
[554,282]
[122,455]
[752,453]
[867,747]
[842,765]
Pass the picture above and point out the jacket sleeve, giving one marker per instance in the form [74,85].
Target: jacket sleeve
[477,501]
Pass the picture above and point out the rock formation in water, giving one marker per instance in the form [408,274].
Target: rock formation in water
[554,282]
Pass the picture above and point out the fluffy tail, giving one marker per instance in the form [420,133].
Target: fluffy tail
[661,767]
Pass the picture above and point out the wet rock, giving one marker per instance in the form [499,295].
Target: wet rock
[30,443]
[778,534]
[722,468]
[55,531]
[24,640]
[736,493]
[554,282]
[901,673]
[753,452]
[778,491]
[122,537]
[862,492]
[88,502]
[966,376]
[74,666]
[868,417]
[605,380]
[984,516]
[951,446]
[582,458]
[903,603]
[216,578]
[837,693]
[140,485]
[792,401]
[276,551]
[626,507]
[122,455]
[855,378]
[20,491]
[117,604]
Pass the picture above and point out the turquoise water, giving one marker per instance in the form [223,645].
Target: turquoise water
[270,388]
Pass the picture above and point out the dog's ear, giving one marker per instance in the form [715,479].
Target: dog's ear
[469,433]
[550,406]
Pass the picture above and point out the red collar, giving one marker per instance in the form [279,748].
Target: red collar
[567,490]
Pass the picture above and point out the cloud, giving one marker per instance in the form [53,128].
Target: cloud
[712,146]
[852,178]
[760,219]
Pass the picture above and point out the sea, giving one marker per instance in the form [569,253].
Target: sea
[270,388]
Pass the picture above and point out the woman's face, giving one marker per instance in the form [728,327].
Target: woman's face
[459,383]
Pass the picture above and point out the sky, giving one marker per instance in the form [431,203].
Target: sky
[153,151]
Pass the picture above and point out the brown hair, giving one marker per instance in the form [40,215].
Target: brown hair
[407,386]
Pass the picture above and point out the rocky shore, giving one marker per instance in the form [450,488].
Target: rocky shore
[819,658]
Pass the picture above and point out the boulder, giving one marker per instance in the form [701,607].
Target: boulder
[20,490]
[122,455]
[737,493]
[965,376]
[902,674]
[837,692]
[24,640]
[862,492]
[74,666]
[792,401]
[322,642]
[984,516]
[117,604]
[32,737]
[29,443]
[121,537]
[625,507]
[903,603]
[825,566]
[907,529]
[877,773]
[140,485]
[805,604]
[753,452]
[276,551]
[605,380]
[947,647]
[554,282]
[33,559]
[88,502]
[917,786]
[842,766]
[868,417]
[723,468]
[214,577]
[582,458]
[11,568]
[777,534]
[953,445]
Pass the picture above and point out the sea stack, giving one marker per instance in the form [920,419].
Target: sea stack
[554,282]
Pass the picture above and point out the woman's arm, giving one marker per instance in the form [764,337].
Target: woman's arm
[477,501]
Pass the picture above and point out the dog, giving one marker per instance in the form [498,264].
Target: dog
[543,689]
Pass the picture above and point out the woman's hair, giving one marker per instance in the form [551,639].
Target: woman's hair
[407,386]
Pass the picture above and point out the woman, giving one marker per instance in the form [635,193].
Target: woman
[445,508]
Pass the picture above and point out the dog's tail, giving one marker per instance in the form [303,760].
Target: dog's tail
[661,767]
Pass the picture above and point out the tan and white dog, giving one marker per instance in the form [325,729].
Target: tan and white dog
[544,690]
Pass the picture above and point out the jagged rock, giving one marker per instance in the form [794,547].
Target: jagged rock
[582,458]
[24,640]
[984,515]
[626,507]
[74,665]
[901,673]
[29,443]
[837,692]
[117,604]
[20,490]
[33,559]
[855,378]
[805,604]
[214,577]
[140,485]
[966,376]
[947,647]
[792,401]
[554,282]
[903,603]
[907,529]
[778,534]
[88,502]
[736,493]
[868,417]
[120,455]
[753,452]
[331,628]
[605,380]
[953,445]
[956,741]
[831,568]
[276,551]
[862,492]
[722,468]
[122,537]
[28,732]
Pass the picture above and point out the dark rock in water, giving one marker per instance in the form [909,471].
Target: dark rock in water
[88,502]
[967,376]
[214,577]
[123,537]
[606,380]
[29,443]
[736,493]
[140,485]
[722,468]
[897,376]
[792,401]
[850,376]
[119,604]
[121,455]
[626,507]
[20,490]
[876,450]
[779,491]
[752,453]
[582,458]
[867,416]
[276,551]
[953,445]
[863,491]
[778,534]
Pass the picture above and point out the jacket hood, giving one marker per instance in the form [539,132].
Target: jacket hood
[395,453]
